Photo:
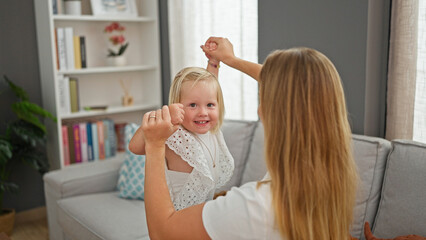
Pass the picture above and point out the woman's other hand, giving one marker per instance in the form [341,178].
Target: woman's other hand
[220,49]
[157,127]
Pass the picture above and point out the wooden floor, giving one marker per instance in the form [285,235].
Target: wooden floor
[33,230]
[31,225]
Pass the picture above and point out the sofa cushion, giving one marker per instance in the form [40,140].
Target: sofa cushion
[255,168]
[132,173]
[370,155]
[102,216]
[238,136]
[403,203]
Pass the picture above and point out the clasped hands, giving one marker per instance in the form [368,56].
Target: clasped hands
[160,124]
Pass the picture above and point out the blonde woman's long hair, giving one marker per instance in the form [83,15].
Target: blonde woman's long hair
[307,145]
[195,75]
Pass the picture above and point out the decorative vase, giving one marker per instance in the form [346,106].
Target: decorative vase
[127,100]
[73,7]
[7,220]
[117,61]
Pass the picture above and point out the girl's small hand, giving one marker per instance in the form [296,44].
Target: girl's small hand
[219,48]
[157,127]
[177,113]
[211,46]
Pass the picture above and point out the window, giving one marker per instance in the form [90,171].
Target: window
[419,132]
[191,22]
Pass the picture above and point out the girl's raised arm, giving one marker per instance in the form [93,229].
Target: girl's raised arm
[137,143]
[212,63]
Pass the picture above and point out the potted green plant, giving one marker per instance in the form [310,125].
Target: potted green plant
[23,141]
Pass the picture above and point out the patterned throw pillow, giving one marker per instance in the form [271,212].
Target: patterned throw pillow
[132,173]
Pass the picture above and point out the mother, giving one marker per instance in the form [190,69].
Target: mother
[309,192]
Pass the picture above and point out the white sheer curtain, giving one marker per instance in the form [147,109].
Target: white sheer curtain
[419,128]
[191,22]
[402,69]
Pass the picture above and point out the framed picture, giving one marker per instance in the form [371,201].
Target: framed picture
[124,8]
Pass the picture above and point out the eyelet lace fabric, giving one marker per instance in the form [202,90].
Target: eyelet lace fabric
[200,181]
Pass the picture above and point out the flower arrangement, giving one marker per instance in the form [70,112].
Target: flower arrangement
[116,37]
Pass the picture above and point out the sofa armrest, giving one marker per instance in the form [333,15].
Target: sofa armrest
[79,179]
[84,178]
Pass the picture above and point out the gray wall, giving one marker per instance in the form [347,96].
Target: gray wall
[19,61]
[344,31]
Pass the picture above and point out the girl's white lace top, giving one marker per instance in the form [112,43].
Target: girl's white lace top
[200,184]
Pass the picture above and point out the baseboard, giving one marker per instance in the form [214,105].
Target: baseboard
[31,215]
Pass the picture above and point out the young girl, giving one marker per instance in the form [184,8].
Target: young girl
[197,158]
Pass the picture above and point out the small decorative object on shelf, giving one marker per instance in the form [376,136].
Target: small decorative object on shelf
[123,8]
[127,99]
[95,108]
[72,7]
[118,42]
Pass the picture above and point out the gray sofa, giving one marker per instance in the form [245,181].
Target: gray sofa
[82,201]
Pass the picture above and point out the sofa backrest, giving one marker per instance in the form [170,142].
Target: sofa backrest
[238,137]
[255,168]
[402,209]
[370,154]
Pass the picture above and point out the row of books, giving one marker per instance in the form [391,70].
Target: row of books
[90,141]
[58,6]
[70,49]
[69,100]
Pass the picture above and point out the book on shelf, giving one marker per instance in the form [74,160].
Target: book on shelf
[56,49]
[89,141]
[60,4]
[64,94]
[77,52]
[69,47]
[77,143]
[101,139]
[65,145]
[112,137]
[54,7]
[71,143]
[83,55]
[62,59]
[95,141]
[107,143]
[83,142]
[74,96]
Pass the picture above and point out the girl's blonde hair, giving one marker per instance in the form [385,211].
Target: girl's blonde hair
[196,74]
[307,145]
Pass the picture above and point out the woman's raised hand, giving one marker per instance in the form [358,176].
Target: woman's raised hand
[157,127]
[219,48]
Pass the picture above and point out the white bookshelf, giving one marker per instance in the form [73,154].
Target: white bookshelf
[99,84]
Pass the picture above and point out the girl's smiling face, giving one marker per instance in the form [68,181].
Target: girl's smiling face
[200,105]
